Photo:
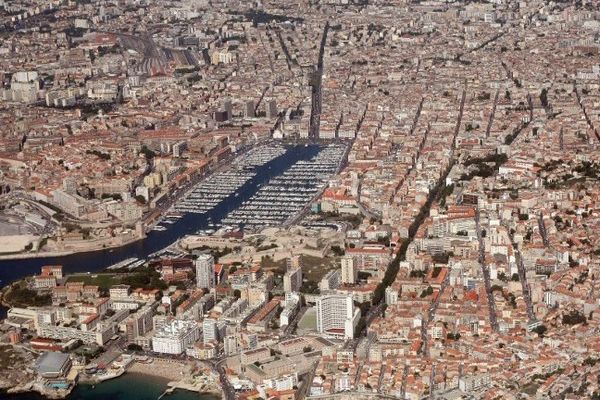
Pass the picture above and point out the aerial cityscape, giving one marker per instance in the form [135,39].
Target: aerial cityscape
[311,199]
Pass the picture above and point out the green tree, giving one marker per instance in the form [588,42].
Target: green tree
[427,292]
[134,347]
[540,330]
[337,250]
[544,97]
[496,288]
[149,154]
[573,318]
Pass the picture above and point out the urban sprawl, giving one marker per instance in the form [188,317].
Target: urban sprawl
[357,198]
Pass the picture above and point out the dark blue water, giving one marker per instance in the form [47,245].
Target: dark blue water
[126,387]
[156,240]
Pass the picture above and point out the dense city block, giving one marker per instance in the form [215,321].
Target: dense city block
[323,199]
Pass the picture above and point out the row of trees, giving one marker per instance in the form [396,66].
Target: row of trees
[392,270]
[573,318]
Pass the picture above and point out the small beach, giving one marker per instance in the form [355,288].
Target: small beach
[169,370]
[177,374]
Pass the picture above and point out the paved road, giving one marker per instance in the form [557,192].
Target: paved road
[543,231]
[307,382]
[403,384]
[585,114]
[431,314]
[432,382]
[492,114]
[486,274]
[287,332]
[317,95]
[368,318]
[217,366]
[523,278]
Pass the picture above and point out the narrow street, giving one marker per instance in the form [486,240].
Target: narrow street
[543,232]
[317,95]
[524,284]
[216,366]
[492,115]
[585,113]
[430,316]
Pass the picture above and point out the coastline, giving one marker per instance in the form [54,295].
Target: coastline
[22,256]
[36,388]
[176,375]
[125,387]
[48,254]
[170,370]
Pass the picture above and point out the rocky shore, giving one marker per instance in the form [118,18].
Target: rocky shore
[16,375]
[38,387]
[93,246]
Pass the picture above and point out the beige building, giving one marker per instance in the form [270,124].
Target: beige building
[349,270]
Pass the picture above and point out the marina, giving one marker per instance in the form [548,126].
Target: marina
[159,241]
[284,196]
[276,202]
[221,186]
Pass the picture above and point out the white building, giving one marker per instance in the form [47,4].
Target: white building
[175,337]
[119,291]
[337,316]
[349,270]
[88,332]
[231,344]
[210,330]
[124,211]
[343,383]
[70,203]
[205,271]
[286,382]
[291,307]
[391,296]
